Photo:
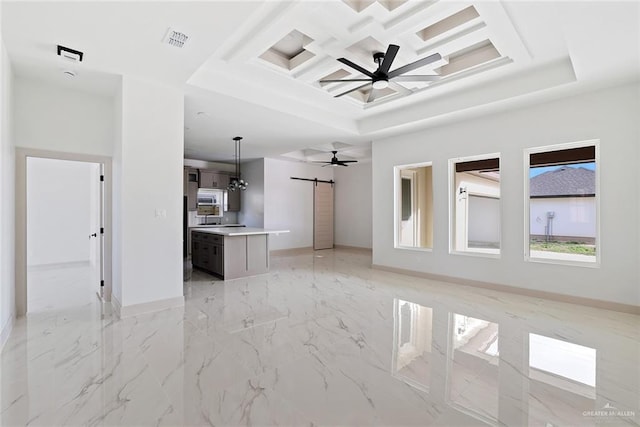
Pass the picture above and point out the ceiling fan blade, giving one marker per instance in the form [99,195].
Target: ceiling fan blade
[347,161]
[389,56]
[352,90]
[346,62]
[372,96]
[318,161]
[342,164]
[416,78]
[345,80]
[415,65]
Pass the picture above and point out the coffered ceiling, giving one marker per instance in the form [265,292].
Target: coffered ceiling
[253,68]
[302,42]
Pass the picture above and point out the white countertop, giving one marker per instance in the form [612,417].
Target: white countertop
[237,231]
[215,225]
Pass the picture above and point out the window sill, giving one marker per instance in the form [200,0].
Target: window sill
[587,264]
[477,254]
[411,248]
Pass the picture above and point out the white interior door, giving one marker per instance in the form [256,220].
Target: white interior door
[322,215]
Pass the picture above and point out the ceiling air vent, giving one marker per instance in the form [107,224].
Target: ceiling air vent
[175,38]
[70,54]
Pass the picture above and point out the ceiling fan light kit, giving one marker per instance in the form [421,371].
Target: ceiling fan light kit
[380,84]
[380,78]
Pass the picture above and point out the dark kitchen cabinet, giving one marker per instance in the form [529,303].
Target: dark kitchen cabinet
[207,252]
[191,188]
[217,259]
[213,179]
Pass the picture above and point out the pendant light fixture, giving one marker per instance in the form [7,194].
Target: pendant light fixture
[237,183]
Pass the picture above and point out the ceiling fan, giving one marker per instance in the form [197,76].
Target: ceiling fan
[335,162]
[382,77]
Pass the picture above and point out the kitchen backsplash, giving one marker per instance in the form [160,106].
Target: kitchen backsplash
[228,218]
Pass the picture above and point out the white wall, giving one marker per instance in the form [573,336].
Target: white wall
[50,117]
[288,204]
[610,115]
[574,216]
[149,193]
[353,207]
[59,211]
[7,197]
[252,203]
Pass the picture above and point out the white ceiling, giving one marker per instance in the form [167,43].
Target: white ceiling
[547,49]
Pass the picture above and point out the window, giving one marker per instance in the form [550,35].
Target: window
[562,204]
[475,210]
[414,206]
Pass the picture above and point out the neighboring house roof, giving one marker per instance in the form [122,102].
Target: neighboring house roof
[566,181]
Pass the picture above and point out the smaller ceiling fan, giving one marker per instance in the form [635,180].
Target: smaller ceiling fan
[335,162]
[382,77]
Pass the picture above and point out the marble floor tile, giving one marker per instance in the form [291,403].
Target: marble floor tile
[323,340]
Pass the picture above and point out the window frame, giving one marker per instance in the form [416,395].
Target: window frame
[527,207]
[483,253]
[397,204]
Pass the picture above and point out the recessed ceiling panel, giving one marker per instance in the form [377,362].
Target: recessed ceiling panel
[474,55]
[449,23]
[361,5]
[289,52]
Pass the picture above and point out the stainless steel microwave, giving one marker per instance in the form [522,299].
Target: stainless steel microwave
[209,202]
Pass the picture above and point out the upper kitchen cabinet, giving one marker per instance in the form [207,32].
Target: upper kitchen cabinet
[223,180]
[213,179]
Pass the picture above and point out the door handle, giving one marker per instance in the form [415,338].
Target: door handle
[93,235]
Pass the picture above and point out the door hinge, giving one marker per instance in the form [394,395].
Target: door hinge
[101,178]
[101,230]
[101,283]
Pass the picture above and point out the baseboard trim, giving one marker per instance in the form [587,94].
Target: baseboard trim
[607,305]
[353,248]
[145,307]
[292,251]
[6,331]
[309,250]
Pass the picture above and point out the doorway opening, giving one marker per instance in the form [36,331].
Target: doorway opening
[63,230]
[64,243]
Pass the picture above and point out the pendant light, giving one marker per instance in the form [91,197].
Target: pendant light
[237,182]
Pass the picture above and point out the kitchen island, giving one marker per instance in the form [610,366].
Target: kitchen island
[231,252]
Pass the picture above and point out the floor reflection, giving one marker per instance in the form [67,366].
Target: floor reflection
[473,368]
[325,341]
[562,377]
[412,344]
[537,381]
